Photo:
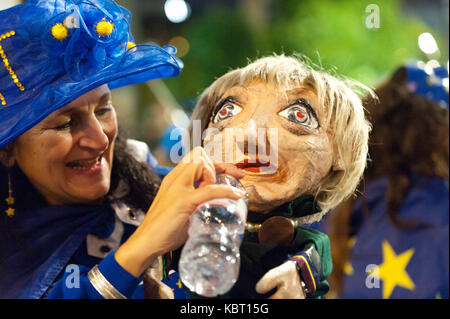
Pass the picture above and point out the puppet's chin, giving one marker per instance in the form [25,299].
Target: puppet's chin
[262,203]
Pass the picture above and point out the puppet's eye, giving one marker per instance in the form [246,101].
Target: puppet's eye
[300,115]
[226,111]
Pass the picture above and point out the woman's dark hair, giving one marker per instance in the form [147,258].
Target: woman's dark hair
[142,181]
[410,135]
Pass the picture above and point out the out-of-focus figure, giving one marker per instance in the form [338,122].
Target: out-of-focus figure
[392,241]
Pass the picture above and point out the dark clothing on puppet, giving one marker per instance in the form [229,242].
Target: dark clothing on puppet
[258,258]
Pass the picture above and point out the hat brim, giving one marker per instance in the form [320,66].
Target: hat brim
[139,64]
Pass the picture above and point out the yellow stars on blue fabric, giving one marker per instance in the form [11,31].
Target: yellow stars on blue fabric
[179,284]
[348,268]
[174,283]
[393,270]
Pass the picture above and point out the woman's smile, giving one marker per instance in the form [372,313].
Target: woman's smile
[86,166]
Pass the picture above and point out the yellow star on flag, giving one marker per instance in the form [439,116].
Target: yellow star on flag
[393,270]
[348,268]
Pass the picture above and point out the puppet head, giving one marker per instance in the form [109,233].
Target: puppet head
[303,132]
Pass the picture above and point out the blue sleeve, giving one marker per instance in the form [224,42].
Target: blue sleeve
[162,171]
[151,159]
[75,284]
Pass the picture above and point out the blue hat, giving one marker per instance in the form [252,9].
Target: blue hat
[429,85]
[54,51]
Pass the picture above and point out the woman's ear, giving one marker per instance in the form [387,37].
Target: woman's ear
[6,155]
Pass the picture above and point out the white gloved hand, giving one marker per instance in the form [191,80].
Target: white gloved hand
[285,277]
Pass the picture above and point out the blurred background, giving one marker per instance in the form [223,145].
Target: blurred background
[362,39]
[215,36]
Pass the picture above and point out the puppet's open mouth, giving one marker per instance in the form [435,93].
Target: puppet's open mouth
[253,165]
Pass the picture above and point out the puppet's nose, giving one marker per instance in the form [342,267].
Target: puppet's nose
[252,139]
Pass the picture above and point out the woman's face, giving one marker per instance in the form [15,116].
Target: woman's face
[299,140]
[68,156]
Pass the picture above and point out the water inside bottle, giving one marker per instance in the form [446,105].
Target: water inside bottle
[210,260]
[210,265]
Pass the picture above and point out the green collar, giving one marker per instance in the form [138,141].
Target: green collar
[302,206]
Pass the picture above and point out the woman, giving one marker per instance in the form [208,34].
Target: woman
[301,137]
[399,226]
[74,192]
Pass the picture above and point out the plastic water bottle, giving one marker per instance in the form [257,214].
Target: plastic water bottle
[210,259]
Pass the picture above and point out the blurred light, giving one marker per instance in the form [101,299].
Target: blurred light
[179,118]
[427,43]
[421,65]
[431,65]
[177,10]
[182,45]
[445,82]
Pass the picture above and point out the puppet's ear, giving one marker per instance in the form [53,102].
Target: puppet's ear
[338,164]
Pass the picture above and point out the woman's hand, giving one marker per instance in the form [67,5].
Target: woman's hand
[285,278]
[165,226]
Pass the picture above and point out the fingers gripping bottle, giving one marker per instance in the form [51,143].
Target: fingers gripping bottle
[210,259]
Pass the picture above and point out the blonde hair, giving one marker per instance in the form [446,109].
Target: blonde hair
[348,128]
